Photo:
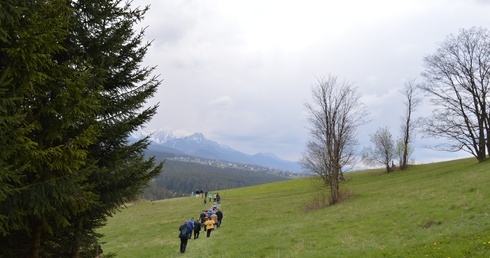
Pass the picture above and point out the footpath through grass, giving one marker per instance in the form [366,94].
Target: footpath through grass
[433,210]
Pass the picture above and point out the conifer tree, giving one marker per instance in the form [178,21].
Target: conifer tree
[74,90]
[103,33]
[49,124]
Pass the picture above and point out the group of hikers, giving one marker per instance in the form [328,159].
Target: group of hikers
[208,221]
[205,195]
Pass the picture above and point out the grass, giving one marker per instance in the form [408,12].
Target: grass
[432,210]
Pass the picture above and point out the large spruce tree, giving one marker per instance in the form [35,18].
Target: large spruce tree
[104,33]
[71,76]
[48,128]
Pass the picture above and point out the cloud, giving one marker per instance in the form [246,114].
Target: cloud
[222,101]
[241,71]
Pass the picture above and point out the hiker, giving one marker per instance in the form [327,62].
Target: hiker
[202,217]
[219,214]
[197,228]
[218,198]
[210,196]
[183,230]
[210,212]
[205,200]
[209,224]
[190,225]
[214,217]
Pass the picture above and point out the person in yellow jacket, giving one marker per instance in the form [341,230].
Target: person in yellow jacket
[209,224]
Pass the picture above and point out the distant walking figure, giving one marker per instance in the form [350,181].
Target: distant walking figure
[219,214]
[214,217]
[197,228]
[183,231]
[209,226]
[202,216]
[190,227]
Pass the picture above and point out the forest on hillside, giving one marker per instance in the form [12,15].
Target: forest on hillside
[181,178]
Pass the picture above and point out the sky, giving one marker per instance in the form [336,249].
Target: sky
[240,72]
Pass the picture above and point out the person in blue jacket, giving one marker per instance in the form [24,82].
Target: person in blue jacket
[190,224]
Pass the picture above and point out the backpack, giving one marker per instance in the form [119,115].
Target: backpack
[183,232]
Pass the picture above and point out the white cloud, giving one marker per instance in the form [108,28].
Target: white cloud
[222,101]
[240,71]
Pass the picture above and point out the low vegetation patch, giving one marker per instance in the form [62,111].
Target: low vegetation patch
[430,223]
[322,200]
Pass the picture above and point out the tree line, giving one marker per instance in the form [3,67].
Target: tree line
[72,89]
[456,81]
[181,178]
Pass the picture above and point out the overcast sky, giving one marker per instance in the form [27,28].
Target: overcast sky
[240,71]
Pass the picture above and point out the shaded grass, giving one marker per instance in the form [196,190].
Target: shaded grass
[433,210]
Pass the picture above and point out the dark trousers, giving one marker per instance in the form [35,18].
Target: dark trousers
[208,232]
[196,234]
[183,244]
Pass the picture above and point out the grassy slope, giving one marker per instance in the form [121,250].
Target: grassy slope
[433,210]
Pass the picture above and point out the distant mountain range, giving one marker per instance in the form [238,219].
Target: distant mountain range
[197,145]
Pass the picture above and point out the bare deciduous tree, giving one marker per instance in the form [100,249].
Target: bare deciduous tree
[335,114]
[383,151]
[457,78]
[409,123]
[401,147]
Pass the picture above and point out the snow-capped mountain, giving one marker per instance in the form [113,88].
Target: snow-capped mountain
[159,136]
[197,145]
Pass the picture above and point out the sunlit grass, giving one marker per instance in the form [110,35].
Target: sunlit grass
[433,210]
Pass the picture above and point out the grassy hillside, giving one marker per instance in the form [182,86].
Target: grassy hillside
[433,210]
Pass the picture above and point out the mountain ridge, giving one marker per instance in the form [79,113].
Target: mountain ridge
[196,144]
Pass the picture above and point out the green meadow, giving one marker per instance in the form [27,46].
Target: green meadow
[431,210]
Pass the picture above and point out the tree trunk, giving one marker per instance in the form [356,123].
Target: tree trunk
[36,239]
[487,143]
[482,144]
[334,186]
[75,251]
[405,156]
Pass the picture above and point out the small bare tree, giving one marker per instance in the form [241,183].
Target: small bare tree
[383,151]
[409,123]
[400,151]
[335,113]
